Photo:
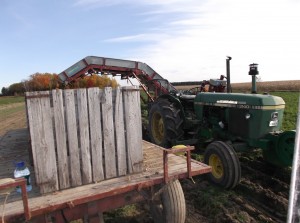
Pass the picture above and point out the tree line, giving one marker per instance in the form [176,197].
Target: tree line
[48,81]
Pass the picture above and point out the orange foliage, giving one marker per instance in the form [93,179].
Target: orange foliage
[95,81]
[47,81]
[39,81]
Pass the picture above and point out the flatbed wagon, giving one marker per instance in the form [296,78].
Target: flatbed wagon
[87,155]
[160,170]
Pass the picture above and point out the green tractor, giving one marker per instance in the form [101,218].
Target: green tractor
[226,123]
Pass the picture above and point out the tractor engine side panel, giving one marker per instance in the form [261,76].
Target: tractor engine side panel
[237,124]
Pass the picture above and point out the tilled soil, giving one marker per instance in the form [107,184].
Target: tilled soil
[261,196]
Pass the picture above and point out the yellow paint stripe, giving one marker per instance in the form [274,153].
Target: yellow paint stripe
[273,107]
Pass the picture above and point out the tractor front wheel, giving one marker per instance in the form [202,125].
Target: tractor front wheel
[226,169]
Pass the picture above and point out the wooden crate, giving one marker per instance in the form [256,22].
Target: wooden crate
[81,136]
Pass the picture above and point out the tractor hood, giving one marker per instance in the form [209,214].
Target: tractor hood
[248,116]
[238,100]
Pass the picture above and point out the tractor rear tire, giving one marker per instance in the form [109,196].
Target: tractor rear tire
[165,123]
[226,169]
[169,206]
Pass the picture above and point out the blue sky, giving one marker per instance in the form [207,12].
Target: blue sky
[183,40]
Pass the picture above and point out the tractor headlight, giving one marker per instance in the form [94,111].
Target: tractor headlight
[247,116]
[274,119]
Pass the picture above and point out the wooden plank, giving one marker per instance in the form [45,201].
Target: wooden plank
[42,138]
[84,136]
[61,139]
[33,124]
[120,132]
[133,126]
[96,133]
[72,138]
[108,135]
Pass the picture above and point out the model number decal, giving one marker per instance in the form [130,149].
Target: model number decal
[231,102]
[243,106]
[240,105]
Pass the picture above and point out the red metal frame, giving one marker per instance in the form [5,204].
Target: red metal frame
[91,209]
[144,87]
[22,183]
[166,152]
[124,72]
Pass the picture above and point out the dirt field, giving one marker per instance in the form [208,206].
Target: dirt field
[262,195]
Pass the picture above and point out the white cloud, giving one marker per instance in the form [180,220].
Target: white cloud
[144,37]
[193,37]
[93,3]
[249,31]
[164,6]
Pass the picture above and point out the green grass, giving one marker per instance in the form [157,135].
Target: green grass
[124,214]
[9,111]
[11,100]
[291,108]
[6,110]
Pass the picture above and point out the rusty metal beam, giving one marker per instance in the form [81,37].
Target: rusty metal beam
[90,210]
[22,183]
[144,87]
[186,149]
[38,96]
[188,163]
[166,174]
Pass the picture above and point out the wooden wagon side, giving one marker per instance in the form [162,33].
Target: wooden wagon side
[80,136]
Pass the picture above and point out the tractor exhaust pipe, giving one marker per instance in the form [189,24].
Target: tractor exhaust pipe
[228,74]
[253,72]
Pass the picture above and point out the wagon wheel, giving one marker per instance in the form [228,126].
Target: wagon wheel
[169,206]
[226,169]
[165,123]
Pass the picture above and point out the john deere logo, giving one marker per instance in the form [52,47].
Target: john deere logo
[274,115]
[274,119]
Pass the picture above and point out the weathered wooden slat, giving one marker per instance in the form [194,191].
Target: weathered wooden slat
[120,133]
[72,138]
[108,135]
[96,133]
[84,136]
[43,148]
[133,128]
[61,139]
[33,124]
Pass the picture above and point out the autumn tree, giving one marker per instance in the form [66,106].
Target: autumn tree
[47,81]
[16,89]
[95,81]
[4,91]
[42,81]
